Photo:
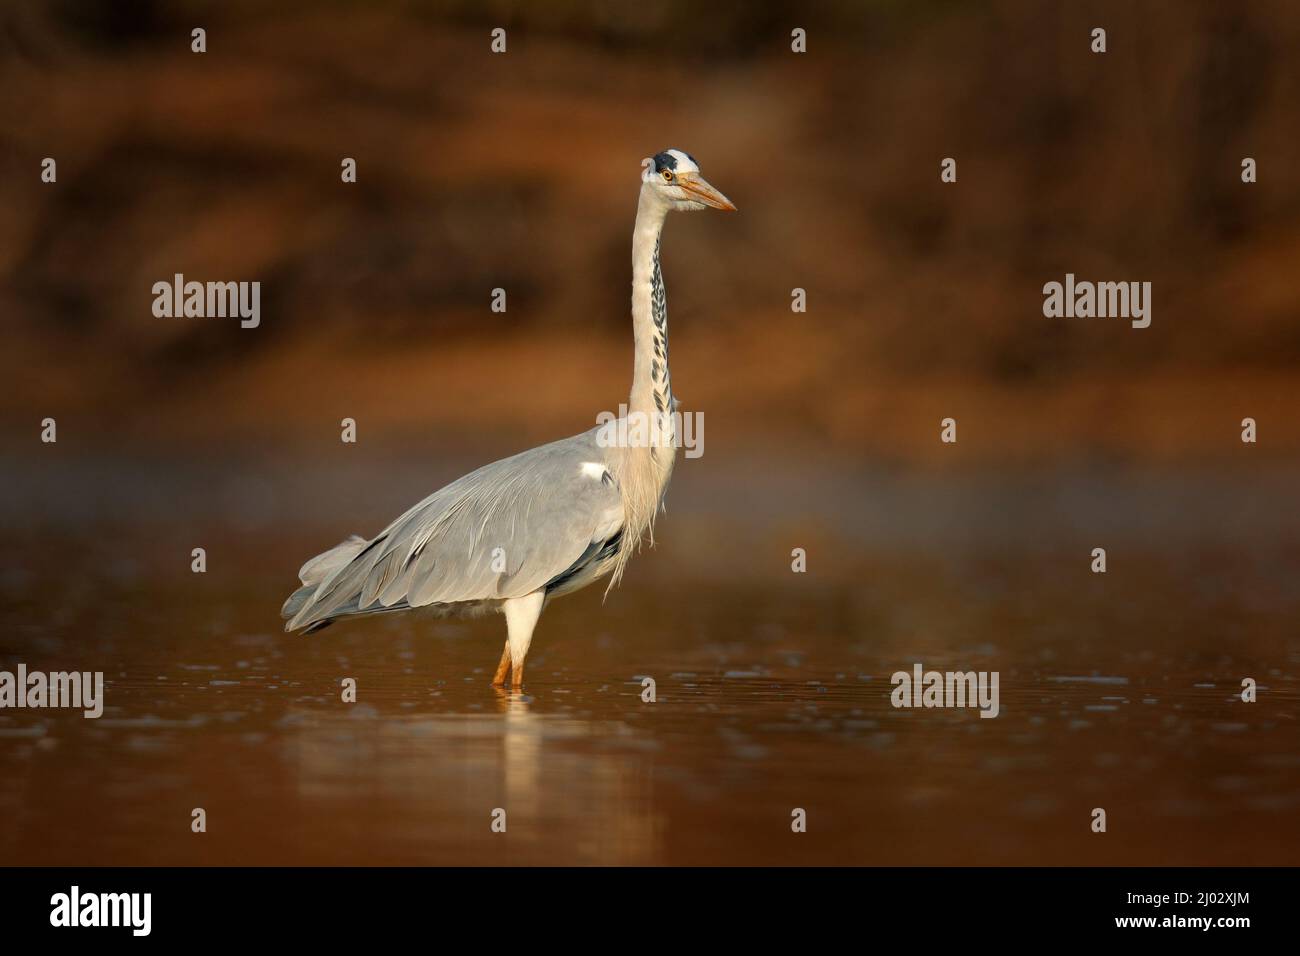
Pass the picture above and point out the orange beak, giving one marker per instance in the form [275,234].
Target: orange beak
[701,191]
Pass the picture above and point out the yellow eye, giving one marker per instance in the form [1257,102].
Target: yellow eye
[668,175]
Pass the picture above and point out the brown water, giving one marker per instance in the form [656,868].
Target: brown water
[1117,691]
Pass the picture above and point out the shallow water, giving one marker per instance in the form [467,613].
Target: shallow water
[772,693]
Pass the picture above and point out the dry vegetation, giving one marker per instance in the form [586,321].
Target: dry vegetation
[519,171]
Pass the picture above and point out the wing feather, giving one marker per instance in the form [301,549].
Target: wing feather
[541,509]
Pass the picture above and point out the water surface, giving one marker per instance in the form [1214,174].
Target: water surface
[1118,691]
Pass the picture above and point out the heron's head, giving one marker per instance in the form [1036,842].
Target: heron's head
[674,177]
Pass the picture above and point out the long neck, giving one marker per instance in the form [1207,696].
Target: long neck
[651,386]
[644,469]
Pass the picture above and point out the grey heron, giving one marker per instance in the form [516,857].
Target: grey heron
[520,531]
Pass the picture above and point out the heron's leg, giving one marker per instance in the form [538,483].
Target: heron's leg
[521,617]
[503,668]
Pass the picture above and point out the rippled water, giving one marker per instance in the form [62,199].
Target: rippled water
[773,693]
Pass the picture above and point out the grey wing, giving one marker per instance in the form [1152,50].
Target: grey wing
[502,531]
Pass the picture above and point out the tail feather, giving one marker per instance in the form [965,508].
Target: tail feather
[323,565]
[297,600]
[316,572]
